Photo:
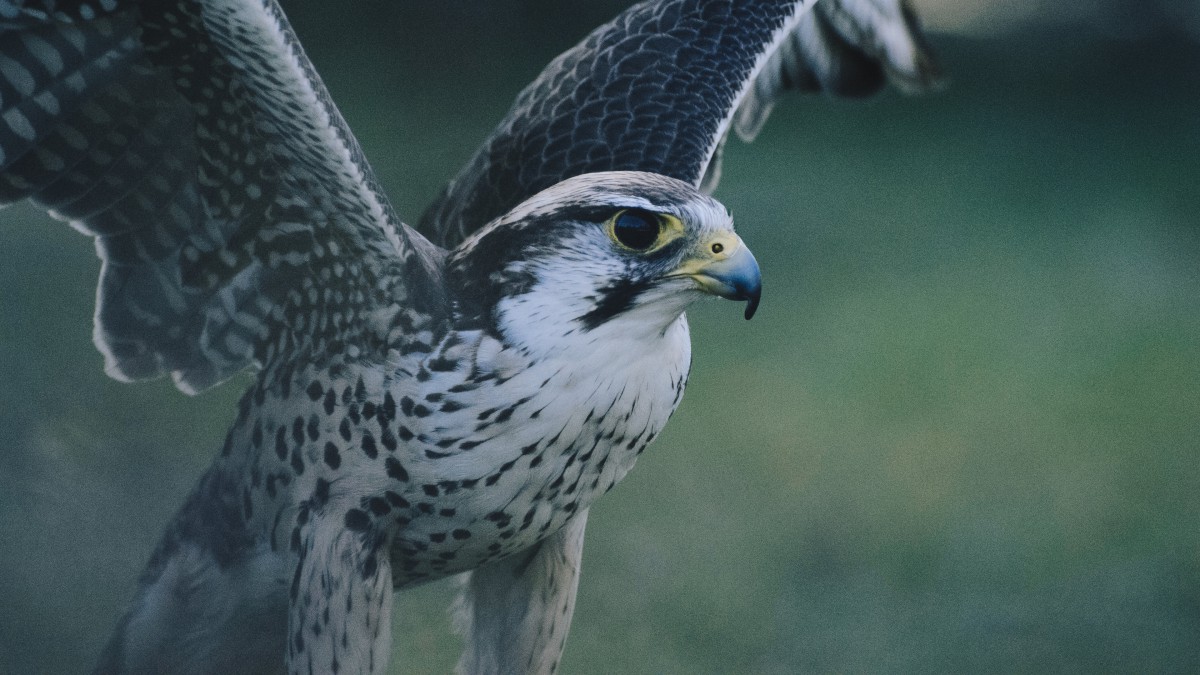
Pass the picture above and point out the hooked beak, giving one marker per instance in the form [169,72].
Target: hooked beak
[726,268]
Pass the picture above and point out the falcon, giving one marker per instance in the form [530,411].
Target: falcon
[427,402]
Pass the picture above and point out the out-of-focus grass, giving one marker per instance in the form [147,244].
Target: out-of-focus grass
[961,434]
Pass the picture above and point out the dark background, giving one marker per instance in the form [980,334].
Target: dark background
[960,436]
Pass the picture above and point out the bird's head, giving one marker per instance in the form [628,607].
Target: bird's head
[621,250]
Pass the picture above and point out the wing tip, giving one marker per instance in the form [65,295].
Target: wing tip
[143,365]
[926,74]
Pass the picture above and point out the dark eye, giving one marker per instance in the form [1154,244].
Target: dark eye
[637,229]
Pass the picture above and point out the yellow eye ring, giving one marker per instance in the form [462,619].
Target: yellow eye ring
[642,231]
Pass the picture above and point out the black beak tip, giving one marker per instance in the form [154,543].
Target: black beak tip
[751,308]
[750,288]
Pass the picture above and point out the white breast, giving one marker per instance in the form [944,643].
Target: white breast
[550,433]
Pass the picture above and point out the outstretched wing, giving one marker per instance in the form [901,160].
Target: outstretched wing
[232,208]
[658,88]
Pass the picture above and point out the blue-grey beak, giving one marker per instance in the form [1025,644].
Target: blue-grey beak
[726,268]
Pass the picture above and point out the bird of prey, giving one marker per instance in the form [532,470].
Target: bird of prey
[426,403]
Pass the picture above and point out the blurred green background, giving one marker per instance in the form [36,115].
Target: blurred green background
[960,436]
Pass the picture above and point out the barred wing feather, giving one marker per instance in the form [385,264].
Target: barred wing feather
[232,208]
[658,88]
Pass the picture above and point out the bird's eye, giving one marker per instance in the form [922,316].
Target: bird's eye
[636,229]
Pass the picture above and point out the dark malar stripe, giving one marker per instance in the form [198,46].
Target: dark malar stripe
[615,298]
